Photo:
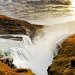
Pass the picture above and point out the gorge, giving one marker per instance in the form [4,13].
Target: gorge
[29,39]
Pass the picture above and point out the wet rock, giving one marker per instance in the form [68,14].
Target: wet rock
[11,37]
[1,56]
[8,61]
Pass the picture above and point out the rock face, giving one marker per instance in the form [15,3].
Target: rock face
[11,37]
[15,26]
[64,62]
[6,70]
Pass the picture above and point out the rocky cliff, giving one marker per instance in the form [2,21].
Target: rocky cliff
[15,26]
[64,62]
[5,69]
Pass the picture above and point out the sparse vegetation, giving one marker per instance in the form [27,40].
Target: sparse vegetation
[62,64]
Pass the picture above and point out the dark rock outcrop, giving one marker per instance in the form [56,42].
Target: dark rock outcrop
[64,62]
[15,26]
[9,62]
[11,37]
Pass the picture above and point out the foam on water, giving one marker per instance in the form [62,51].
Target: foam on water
[36,56]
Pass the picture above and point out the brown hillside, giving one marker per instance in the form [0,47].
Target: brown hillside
[64,62]
[7,70]
[14,26]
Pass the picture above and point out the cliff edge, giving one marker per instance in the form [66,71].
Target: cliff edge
[64,62]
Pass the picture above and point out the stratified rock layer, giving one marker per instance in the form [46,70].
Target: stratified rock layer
[15,26]
[64,62]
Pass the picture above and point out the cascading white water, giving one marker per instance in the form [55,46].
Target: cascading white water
[37,56]
[27,55]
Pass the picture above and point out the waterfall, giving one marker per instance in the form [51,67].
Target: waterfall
[28,55]
[37,56]
[34,56]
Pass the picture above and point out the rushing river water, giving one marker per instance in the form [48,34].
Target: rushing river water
[38,56]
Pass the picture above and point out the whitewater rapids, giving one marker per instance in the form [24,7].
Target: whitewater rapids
[38,55]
